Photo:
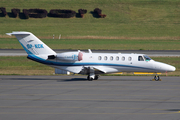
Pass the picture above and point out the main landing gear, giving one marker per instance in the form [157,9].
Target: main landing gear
[92,77]
[91,74]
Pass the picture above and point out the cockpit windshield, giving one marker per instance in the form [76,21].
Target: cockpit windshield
[147,58]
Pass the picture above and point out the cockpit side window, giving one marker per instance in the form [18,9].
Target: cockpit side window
[147,58]
[140,58]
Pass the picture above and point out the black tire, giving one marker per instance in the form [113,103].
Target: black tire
[156,78]
[89,78]
[96,77]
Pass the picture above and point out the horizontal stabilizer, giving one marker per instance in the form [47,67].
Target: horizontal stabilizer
[18,33]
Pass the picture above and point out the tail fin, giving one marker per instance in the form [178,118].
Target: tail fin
[32,45]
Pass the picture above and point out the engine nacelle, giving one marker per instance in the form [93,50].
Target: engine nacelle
[70,56]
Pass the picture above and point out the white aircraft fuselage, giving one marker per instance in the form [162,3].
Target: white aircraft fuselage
[91,64]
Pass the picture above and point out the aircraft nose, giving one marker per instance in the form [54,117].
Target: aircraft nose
[171,68]
[164,67]
[168,68]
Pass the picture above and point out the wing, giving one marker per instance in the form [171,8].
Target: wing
[106,69]
[73,69]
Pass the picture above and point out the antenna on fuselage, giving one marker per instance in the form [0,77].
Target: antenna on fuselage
[89,50]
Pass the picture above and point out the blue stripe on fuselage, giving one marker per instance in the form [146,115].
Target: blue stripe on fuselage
[43,61]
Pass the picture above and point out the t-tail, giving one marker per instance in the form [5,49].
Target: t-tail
[33,46]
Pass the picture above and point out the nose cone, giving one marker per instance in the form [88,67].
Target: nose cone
[171,68]
[162,67]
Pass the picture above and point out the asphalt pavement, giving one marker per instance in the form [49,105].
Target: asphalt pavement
[75,98]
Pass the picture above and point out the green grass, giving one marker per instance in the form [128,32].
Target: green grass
[128,18]
[20,65]
[132,24]
[101,44]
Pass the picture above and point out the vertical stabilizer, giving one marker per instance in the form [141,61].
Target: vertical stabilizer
[32,45]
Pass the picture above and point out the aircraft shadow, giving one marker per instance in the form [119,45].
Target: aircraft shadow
[173,110]
[24,78]
[57,78]
[73,79]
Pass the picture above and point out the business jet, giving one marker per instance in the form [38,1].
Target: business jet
[90,64]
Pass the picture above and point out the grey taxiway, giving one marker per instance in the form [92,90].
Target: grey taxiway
[73,97]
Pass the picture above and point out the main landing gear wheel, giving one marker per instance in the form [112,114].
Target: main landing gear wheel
[96,77]
[91,78]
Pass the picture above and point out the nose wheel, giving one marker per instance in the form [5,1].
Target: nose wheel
[156,78]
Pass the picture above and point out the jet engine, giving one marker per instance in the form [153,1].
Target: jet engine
[70,56]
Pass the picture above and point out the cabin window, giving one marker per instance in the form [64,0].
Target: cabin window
[99,58]
[105,57]
[111,58]
[123,58]
[117,58]
[140,58]
[130,58]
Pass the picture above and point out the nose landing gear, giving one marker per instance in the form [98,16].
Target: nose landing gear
[156,78]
